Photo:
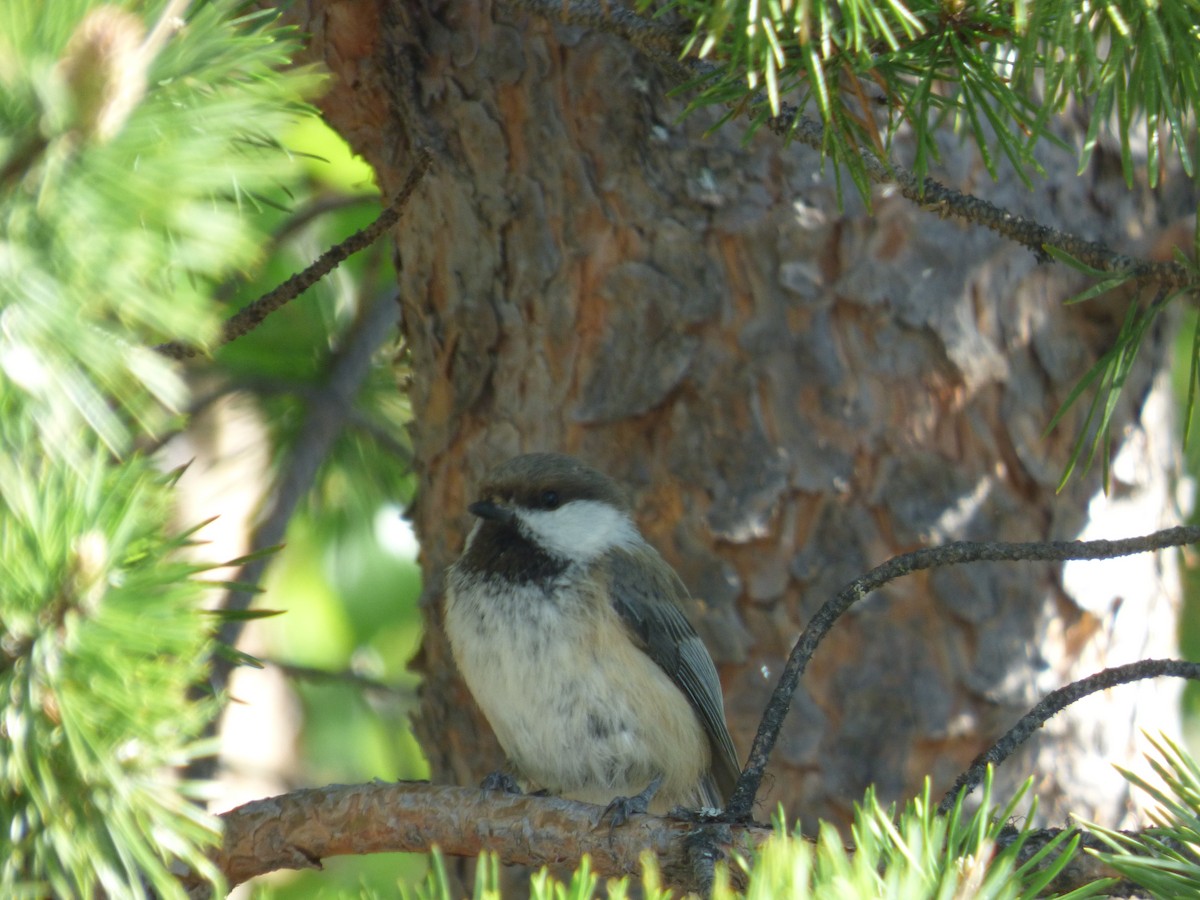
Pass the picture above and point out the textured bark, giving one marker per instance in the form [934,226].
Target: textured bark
[791,393]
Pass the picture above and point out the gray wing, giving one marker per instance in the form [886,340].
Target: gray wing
[647,595]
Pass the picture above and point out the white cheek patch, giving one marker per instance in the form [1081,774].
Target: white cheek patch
[580,530]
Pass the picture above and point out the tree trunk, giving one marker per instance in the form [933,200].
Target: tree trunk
[791,393]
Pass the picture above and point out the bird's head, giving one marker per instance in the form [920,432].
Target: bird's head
[561,507]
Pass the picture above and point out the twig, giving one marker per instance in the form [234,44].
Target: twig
[249,318]
[1055,702]
[935,557]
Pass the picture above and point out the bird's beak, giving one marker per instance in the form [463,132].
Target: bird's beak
[486,509]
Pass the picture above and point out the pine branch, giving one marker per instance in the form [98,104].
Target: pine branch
[663,46]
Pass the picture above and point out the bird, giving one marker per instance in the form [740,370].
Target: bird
[568,628]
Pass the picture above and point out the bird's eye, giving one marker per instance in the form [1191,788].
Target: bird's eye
[549,500]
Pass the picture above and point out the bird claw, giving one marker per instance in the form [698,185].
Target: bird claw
[500,781]
[619,811]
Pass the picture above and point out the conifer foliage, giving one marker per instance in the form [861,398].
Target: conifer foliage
[134,141]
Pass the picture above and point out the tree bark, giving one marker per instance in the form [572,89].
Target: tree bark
[791,393]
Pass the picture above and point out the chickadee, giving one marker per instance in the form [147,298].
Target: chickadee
[567,627]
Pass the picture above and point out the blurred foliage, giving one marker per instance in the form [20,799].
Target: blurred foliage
[284,361]
[101,646]
[133,154]
[1189,616]
[99,227]
[348,576]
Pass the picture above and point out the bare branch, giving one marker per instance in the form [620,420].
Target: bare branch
[935,557]
[1055,702]
[300,829]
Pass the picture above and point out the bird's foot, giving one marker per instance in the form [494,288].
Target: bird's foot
[500,781]
[621,808]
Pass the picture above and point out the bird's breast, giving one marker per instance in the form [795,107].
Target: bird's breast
[578,708]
